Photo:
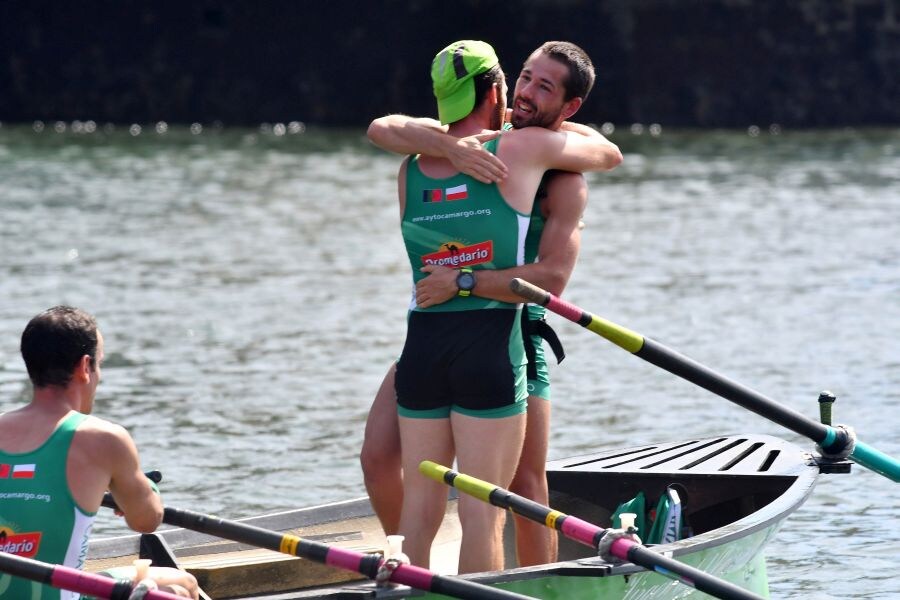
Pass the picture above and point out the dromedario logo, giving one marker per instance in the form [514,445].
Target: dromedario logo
[456,254]
[20,544]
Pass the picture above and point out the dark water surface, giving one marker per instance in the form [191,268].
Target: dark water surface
[252,290]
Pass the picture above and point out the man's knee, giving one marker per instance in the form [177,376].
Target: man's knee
[375,459]
[529,482]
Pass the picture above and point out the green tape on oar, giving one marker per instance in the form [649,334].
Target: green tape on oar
[834,442]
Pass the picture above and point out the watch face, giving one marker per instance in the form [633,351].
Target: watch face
[465,281]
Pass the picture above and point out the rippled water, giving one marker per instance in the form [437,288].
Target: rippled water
[252,290]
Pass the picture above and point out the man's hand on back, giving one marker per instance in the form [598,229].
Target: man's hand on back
[469,156]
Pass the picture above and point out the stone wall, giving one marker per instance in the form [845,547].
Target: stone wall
[700,63]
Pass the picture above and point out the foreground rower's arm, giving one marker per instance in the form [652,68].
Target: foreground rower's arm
[409,135]
[142,507]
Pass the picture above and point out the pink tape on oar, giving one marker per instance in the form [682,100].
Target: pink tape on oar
[414,576]
[343,558]
[563,308]
[89,584]
[77,581]
[579,530]
[620,547]
[410,575]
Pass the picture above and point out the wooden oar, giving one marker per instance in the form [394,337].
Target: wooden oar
[587,533]
[67,578]
[833,441]
[366,564]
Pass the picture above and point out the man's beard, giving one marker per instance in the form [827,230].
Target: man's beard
[535,119]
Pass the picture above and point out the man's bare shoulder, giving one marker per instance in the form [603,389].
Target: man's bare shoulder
[100,431]
[529,145]
[526,135]
[565,193]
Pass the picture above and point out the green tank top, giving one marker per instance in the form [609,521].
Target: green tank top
[535,231]
[460,222]
[39,519]
[533,239]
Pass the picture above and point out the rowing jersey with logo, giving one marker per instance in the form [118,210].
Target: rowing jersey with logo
[460,222]
[39,519]
[533,239]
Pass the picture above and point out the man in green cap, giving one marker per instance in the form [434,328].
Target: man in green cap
[460,381]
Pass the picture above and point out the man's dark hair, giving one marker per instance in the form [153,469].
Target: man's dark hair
[484,81]
[54,341]
[581,69]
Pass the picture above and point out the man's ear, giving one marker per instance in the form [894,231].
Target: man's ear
[571,107]
[494,93]
[83,370]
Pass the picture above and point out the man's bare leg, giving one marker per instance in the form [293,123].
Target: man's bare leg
[487,449]
[536,544]
[380,456]
[424,500]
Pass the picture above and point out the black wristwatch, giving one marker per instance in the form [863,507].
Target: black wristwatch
[465,281]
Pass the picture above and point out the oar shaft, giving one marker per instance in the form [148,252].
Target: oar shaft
[366,564]
[674,362]
[689,369]
[876,460]
[67,578]
[584,532]
[572,527]
[832,440]
[247,534]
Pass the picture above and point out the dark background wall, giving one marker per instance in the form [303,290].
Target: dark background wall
[801,63]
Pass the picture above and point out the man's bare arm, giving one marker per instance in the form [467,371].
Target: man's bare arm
[130,488]
[575,147]
[559,245]
[411,135]
[408,135]
[557,253]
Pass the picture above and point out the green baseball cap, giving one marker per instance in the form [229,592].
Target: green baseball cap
[452,71]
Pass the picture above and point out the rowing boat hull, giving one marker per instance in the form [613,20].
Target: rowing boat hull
[739,490]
